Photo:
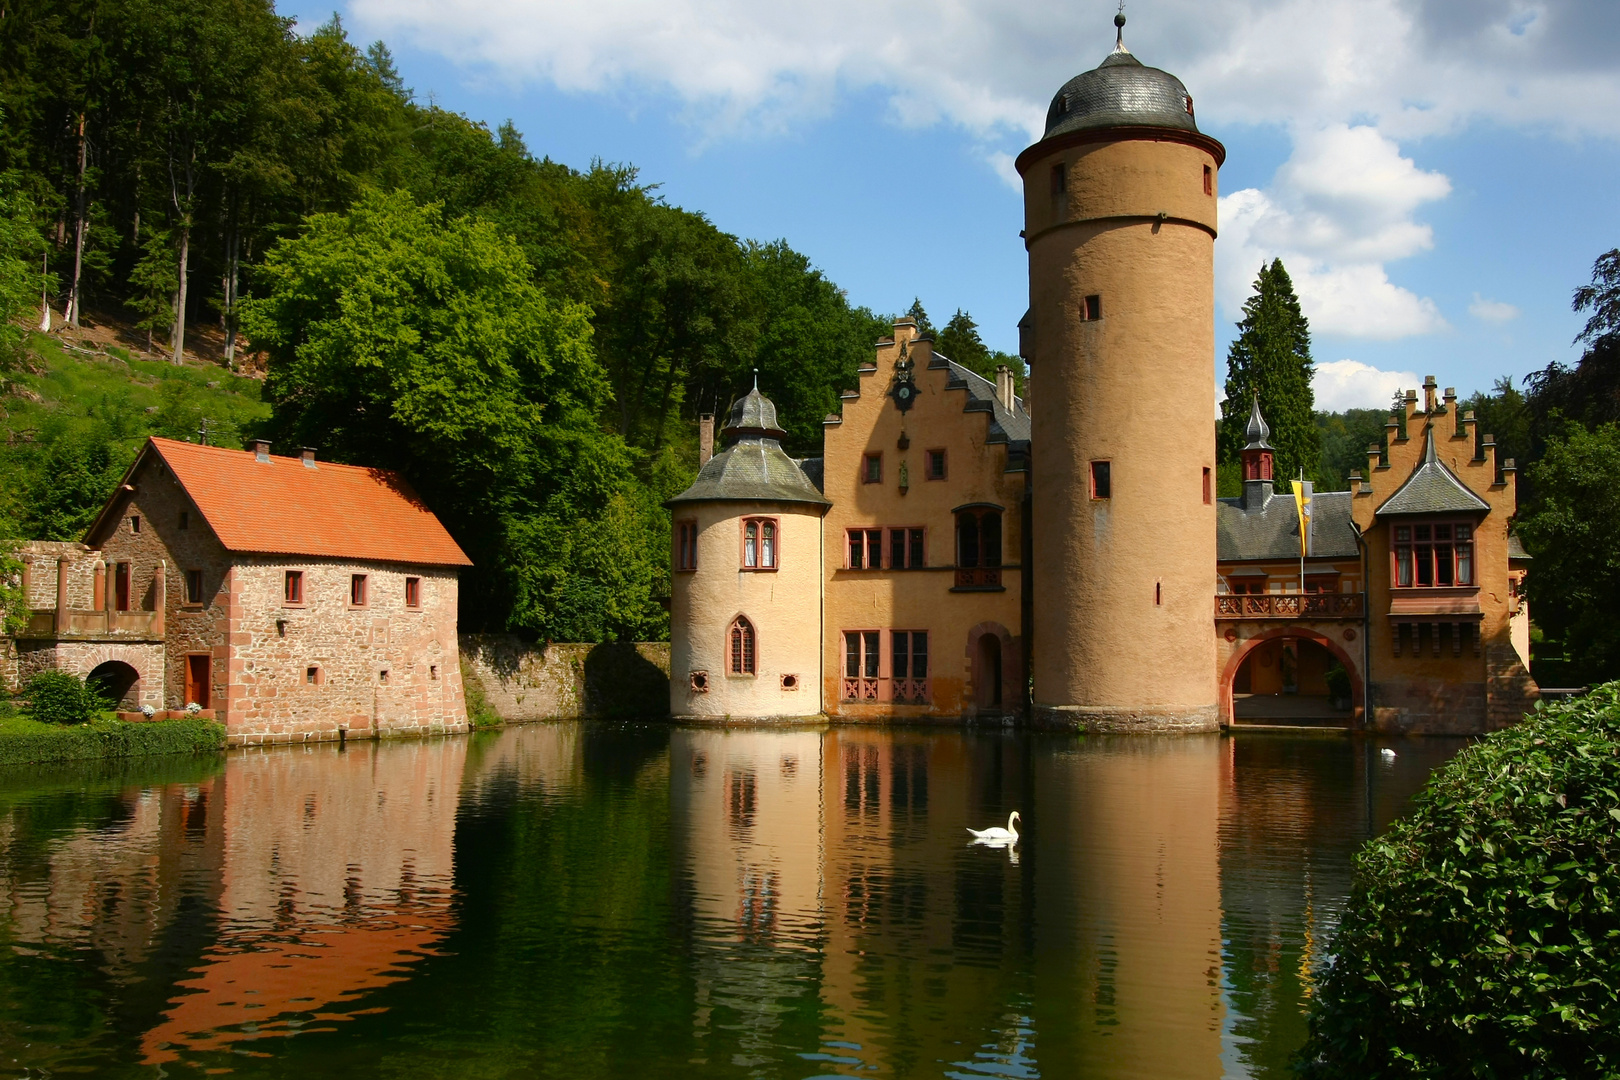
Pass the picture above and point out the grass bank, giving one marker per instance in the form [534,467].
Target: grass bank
[27,742]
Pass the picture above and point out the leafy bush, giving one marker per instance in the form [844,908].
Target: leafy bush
[57,697]
[23,742]
[1482,937]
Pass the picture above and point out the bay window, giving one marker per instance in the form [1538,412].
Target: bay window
[1433,555]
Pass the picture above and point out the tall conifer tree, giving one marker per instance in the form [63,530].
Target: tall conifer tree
[1272,357]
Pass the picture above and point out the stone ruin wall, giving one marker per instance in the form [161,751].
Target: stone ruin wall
[523,681]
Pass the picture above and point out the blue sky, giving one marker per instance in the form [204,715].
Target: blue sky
[1437,174]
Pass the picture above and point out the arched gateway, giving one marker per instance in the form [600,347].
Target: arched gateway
[1282,676]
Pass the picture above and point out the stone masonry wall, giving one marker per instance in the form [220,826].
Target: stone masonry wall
[40,557]
[322,669]
[326,669]
[525,681]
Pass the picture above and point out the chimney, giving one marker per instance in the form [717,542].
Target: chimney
[705,439]
[261,449]
[308,454]
[1429,387]
[1004,386]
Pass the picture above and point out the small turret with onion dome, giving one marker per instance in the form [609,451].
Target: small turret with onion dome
[746,553]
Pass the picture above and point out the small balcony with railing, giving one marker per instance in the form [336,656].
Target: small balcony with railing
[862,690]
[1300,606]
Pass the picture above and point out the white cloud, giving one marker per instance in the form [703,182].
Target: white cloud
[1407,67]
[1350,384]
[1492,311]
[1348,79]
[1337,210]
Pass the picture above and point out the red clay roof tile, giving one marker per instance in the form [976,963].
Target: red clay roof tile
[283,507]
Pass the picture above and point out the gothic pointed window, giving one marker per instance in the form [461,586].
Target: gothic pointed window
[742,647]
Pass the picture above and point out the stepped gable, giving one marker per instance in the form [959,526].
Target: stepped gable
[267,504]
[1008,426]
[1432,489]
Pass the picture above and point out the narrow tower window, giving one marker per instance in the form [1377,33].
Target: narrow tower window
[1060,180]
[742,647]
[1209,180]
[1207,492]
[1091,309]
[1102,483]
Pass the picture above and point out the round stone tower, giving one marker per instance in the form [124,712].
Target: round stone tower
[745,601]
[1119,207]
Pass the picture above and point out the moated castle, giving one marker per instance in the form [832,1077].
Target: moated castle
[958,551]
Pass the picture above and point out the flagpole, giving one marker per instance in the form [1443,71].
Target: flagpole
[1301,497]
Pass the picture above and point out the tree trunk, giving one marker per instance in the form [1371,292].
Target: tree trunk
[80,224]
[179,336]
[227,310]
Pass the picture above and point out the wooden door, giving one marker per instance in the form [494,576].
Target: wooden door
[121,576]
[198,681]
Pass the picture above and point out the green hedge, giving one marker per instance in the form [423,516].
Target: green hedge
[1482,937]
[27,742]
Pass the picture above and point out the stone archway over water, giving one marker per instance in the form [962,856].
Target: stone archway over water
[1256,676]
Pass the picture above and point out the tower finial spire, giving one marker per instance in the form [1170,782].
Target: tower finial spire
[756,378]
[1119,24]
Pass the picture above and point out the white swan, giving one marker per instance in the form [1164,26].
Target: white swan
[1387,754]
[996,834]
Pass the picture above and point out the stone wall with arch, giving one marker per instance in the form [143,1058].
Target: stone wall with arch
[82,657]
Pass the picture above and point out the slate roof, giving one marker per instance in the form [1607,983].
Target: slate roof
[1272,532]
[283,507]
[1119,92]
[1516,548]
[1432,489]
[1006,425]
[754,468]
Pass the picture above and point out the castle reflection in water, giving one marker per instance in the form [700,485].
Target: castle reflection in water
[587,900]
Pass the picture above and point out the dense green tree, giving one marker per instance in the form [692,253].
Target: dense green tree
[1504,414]
[807,346]
[1589,391]
[13,601]
[920,316]
[1574,534]
[20,284]
[1271,357]
[400,339]
[960,341]
[1345,437]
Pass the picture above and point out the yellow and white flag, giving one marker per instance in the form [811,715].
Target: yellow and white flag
[1303,493]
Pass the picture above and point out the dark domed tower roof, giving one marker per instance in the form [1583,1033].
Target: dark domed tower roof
[754,468]
[752,414]
[1120,92]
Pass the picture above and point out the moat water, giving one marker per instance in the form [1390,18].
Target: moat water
[568,900]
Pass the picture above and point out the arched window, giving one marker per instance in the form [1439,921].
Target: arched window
[742,647]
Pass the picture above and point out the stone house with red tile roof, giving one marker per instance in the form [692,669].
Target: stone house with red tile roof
[292,599]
